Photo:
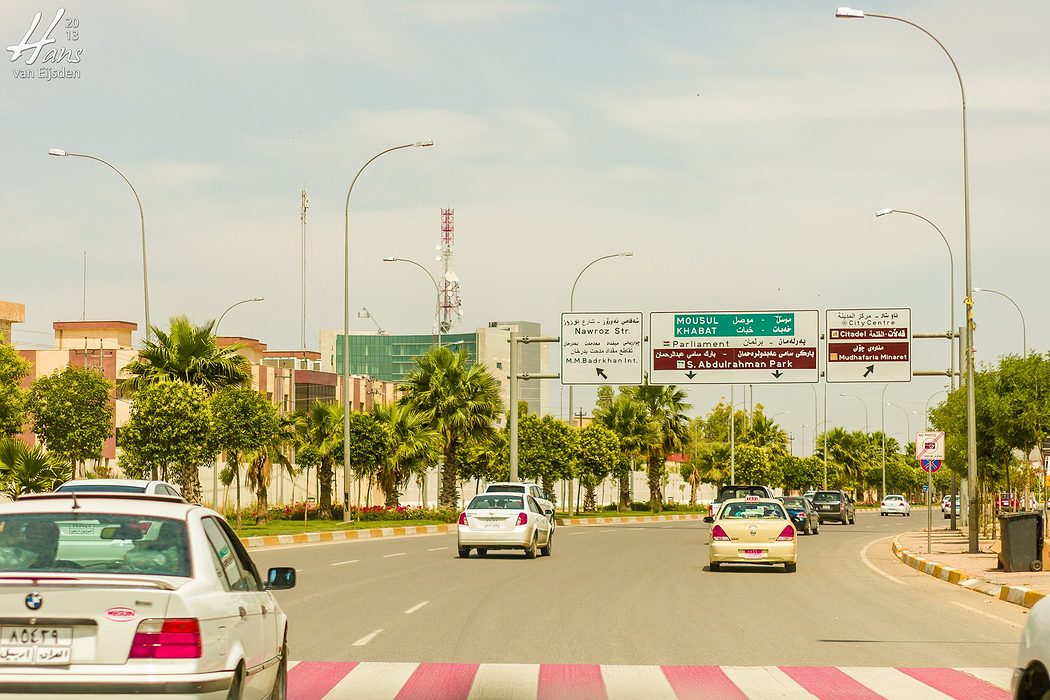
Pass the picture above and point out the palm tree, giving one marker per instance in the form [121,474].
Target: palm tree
[415,448]
[261,462]
[629,418]
[764,432]
[25,469]
[459,400]
[666,404]
[319,430]
[190,354]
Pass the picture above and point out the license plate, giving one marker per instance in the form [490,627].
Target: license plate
[490,524]
[753,553]
[825,507]
[35,645]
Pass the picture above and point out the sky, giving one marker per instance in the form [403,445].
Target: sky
[739,149]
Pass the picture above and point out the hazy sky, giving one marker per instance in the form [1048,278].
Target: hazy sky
[740,149]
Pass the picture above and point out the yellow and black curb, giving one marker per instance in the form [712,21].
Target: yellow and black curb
[1018,595]
[380,532]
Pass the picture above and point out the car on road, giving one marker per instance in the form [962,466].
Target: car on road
[180,612]
[895,504]
[835,505]
[735,491]
[1007,501]
[752,530]
[1031,681]
[802,514]
[946,510]
[532,489]
[150,488]
[504,520]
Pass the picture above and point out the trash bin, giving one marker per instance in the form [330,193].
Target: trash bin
[1022,540]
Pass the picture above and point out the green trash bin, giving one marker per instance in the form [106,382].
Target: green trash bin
[1022,540]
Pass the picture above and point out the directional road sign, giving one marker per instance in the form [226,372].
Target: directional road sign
[601,348]
[868,345]
[929,445]
[733,347]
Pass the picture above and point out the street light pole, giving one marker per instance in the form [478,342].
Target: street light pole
[346,320]
[142,224]
[862,403]
[882,410]
[437,290]
[971,401]
[215,330]
[1024,332]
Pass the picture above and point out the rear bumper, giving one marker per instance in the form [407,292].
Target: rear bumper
[518,538]
[116,684]
[773,552]
[896,510]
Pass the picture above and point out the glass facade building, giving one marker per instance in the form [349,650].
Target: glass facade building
[392,357]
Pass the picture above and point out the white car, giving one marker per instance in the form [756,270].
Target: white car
[141,486]
[132,596]
[946,510]
[494,520]
[1030,678]
[895,504]
[532,489]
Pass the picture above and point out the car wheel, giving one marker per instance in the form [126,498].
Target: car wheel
[791,568]
[545,550]
[816,528]
[882,514]
[464,552]
[236,687]
[530,551]
[280,683]
[483,552]
[715,566]
[1034,683]
[808,530]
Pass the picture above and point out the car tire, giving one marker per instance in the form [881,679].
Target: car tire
[236,691]
[530,551]
[715,566]
[483,552]
[845,519]
[816,530]
[808,530]
[791,568]
[882,514]
[464,552]
[545,550]
[280,683]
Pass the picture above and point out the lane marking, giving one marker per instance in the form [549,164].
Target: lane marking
[366,639]
[988,614]
[436,549]
[340,563]
[577,533]
[416,607]
[399,554]
[867,562]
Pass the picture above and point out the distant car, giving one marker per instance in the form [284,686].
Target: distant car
[1007,501]
[895,504]
[532,489]
[946,510]
[1030,678]
[752,530]
[143,486]
[504,520]
[802,514]
[809,495]
[835,505]
[177,608]
[734,491]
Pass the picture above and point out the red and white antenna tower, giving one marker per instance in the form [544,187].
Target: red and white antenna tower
[451,311]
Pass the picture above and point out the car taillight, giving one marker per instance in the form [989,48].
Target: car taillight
[717,533]
[787,534]
[462,518]
[522,519]
[170,638]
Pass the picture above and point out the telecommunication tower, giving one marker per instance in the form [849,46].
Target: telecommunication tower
[451,307]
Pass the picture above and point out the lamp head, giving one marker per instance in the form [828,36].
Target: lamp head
[258,299]
[389,259]
[627,254]
[977,289]
[424,143]
[883,212]
[55,152]
[363,313]
[849,13]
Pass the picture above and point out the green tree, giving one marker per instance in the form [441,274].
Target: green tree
[666,404]
[370,448]
[25,469]
[801,473]
[169,429]
[459,400]
[638,431]
[755,465]
[318,439]
[598,449]
[546,450]
[604,399]
[72,414]
[260,465]
[414,447]
[764,432]
[190,354]
[13,369]
[243,422]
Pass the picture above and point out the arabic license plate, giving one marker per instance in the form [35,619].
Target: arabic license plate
[490,524]
[36,645]
[753,553]
[825,507]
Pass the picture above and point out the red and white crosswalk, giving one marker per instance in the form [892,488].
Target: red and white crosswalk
[333,680]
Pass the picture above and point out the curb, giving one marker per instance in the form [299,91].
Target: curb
[1018,595]
[379,532]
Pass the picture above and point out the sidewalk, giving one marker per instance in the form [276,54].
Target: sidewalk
[950,560]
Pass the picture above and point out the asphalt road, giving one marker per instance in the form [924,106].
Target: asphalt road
[638,594]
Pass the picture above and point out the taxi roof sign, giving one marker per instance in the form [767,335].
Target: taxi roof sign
[752,499]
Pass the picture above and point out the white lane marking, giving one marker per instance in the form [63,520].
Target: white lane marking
[600,531]
[892,684]
[340,563]
[999,677]
[399,554]
[867,562]
[366,639]
[436,549]
[762,682]
[374,680]
[578,533]
[416,607]
[298,570]
[630,682]
[505,681]
[1017,625]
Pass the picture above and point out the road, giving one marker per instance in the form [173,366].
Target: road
[638,594]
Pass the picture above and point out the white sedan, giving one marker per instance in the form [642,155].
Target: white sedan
[133,596]
[895,504]
[504,521]
[1030,679]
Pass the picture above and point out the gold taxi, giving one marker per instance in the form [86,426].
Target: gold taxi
[752,530]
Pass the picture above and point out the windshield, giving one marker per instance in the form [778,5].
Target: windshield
[506,487]
[826,497]
[795,502]
[99,543]
[742,511]
[496,502]
[101,488]
[729,492]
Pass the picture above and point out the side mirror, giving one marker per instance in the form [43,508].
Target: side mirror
[280,578]
[708,519]
[548,512]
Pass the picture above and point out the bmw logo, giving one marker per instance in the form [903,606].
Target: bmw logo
[34,600]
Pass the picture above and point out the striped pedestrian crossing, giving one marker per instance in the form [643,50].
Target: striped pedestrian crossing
[334,680]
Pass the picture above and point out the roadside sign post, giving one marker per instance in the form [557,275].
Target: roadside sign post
[868,345]
[601,348]
[929,450]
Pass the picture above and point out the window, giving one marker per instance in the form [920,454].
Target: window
[496,502]
[533,506]
[223,550]
[752,511]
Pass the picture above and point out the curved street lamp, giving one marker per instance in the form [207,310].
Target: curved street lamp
[862,403]
[365,313]
[142,222]
[437,290]
[215,331]
[1024,332]
[346,318]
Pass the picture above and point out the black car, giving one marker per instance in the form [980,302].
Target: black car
[803,516]
[835,505]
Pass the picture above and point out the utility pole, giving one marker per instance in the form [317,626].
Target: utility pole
[514,340]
